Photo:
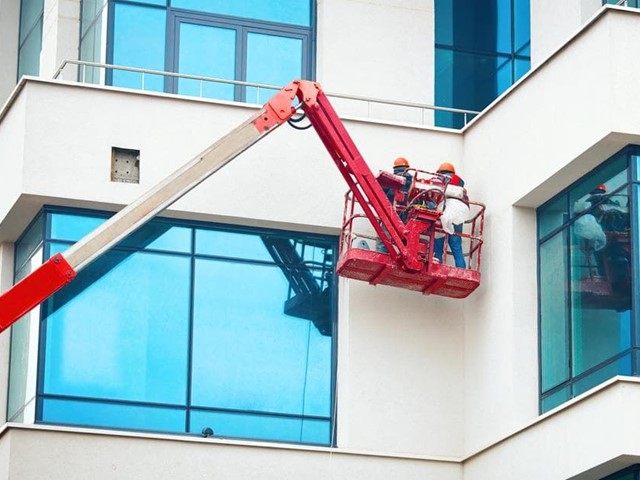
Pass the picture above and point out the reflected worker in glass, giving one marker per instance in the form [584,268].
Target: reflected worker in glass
[613,258]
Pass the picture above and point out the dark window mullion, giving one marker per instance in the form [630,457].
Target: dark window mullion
[190,334]
[634,175]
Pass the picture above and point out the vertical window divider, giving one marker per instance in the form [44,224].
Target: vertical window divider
[632,159]
[192,264]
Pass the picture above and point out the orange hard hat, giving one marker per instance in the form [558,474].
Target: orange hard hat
[446,167]
[400,162]
[602,188]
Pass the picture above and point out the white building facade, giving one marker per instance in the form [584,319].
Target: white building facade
[188,325]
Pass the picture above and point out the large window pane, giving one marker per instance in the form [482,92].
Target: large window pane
[30,13]
[207,51]
[138,41]
[621,366]
[24,353]
[29,54]
[552,216]
[522,26]
[586,230]
[70,227]
[29,242]
[240,345]
[239,313]
[124,309]
[232,245]
[554,312]
[297,12]
[272,60]
[483,43]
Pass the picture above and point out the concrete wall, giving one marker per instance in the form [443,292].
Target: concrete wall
[553,23]
[552,129]
[594,436]
[68,455]
[386,48]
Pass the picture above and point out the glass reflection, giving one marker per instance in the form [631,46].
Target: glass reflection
[273,60]
[113,415]
[239,314]
[138,41]
[554,312]
[255,321]
[143,304]
[207,51]
[586,231]
[266,427]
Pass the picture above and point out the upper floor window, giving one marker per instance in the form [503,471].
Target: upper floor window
[249,40]
[179,328]
[481,48]
[586,251]
[30,44]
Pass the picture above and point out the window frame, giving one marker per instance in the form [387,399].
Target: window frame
[188,406]
[242,26]
[632,186]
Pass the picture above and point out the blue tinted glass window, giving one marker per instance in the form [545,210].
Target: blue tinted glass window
[143,320]
[242,345]
[72,227]
[521,67]
[554,312]
[504,76]
[29,52]
[522,26]
[455,71]
[240,311]
[160,236]
[552,215]
[112,415]
[504,26]
[586,282]
[138,41]
[230,244]
[271,59]
[29,242]
[30,14]
[297,12]
[481,49]
[267,427]
[207,51]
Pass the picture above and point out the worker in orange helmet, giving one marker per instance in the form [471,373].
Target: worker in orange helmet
[399,197]
[400,168]
[457,200]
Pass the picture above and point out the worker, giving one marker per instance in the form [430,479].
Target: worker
[455,213]
[398,197]
[608,212]
[401,196]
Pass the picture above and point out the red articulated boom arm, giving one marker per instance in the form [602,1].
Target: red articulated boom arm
[63,268]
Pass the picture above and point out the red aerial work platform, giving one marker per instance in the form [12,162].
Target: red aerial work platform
[408,242]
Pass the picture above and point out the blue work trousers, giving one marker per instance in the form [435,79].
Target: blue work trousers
[455,244]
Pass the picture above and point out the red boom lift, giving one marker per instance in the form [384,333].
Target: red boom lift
[407,262]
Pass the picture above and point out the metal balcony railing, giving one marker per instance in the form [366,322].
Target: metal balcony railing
[349,105]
